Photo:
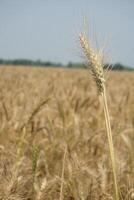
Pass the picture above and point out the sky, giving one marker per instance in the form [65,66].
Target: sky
[49,29]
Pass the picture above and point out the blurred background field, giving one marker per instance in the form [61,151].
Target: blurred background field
[46,113]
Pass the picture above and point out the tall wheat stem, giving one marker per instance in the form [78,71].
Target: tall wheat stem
[110,140]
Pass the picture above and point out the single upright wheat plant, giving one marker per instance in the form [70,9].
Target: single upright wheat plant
[94,61]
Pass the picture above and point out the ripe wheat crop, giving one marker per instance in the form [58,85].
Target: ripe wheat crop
[95,64]
[53,142]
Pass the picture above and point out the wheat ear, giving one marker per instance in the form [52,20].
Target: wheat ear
[96,65]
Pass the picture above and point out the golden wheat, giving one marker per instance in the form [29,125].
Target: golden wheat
[31,158]
[95,62]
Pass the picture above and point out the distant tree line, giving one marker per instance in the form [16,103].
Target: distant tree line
[116,66]
[28,62]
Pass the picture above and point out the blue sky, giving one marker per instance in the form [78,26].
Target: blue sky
[48,29]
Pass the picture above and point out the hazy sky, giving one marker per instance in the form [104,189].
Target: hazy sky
[48,29]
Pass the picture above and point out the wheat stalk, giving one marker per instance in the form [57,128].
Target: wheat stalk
[96,65]
[62,174]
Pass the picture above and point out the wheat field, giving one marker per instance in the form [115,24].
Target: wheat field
[53,143]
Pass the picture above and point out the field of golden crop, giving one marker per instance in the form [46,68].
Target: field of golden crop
[53,142]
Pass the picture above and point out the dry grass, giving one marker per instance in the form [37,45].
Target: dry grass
[52,135]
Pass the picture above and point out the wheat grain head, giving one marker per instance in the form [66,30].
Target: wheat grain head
[94,61]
